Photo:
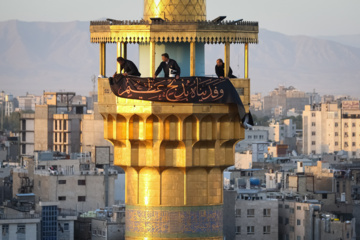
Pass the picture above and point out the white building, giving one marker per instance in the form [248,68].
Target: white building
[28,102]
[329,128]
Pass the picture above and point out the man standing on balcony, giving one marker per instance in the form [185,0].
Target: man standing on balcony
[170,67]
[129,67]
[219,69]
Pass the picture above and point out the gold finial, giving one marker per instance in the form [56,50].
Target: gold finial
[178,10]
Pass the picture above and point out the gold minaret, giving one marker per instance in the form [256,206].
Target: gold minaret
[173,154]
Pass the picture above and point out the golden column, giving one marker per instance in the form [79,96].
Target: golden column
[173,154]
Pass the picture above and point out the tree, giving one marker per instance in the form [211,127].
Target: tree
[12,122]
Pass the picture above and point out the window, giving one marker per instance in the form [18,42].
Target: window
[250,137]
[59,124]
[346,125]
[55,125]
[94,232]
[313,143]
[62,198]
[298,208]
[64,149]
[292,210]
[313,124]
[103,233]
[336,143]
[280,206]
[64,124]
[286,206]
[292,229]
[238,212]
[346,135]
[280,220]
[354,144]
[266,229]
[313,114]
[336,124]
[238,230]
[250,212]
[298,222]
[313,133]
[267,212]
[353,125]
[346,144]
[55,137]
[255,137]
[5,229]
[286,221]
[336,134]
[81,182]
[261,137]
[298,237]
[81,198]
[324,196]
[62,181]
[250,230]
[66,227]
[354,134]
[21,228]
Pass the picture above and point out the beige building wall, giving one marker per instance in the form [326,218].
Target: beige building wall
[43,127]
[327,128]
[48,189]
[264,226]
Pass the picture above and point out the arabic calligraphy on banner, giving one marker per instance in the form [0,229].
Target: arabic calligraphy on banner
[183,90]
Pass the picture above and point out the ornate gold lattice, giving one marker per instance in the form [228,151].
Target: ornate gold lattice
[178,10]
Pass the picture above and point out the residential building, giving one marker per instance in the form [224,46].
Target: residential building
[9,105]
[286,98]
[109,224]
[27,136]
[73,181]
[256,102]
[28,102]
[254,216]
[330,128]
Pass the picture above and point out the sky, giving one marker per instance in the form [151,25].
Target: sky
[305,17]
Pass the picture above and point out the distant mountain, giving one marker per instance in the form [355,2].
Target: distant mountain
[349,40]
[37,56]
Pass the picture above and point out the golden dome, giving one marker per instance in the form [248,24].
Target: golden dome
[178,10]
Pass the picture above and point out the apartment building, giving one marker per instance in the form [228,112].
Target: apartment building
[330,128]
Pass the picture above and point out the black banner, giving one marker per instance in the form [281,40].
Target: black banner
[183,90]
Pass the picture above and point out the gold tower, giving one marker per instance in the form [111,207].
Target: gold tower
[173,154]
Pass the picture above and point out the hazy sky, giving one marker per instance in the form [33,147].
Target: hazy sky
[302,17]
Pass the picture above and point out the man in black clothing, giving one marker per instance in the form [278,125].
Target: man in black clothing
[219,69]
[169,66]
[129,67]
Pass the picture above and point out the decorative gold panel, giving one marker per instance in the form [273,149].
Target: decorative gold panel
[178,10]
